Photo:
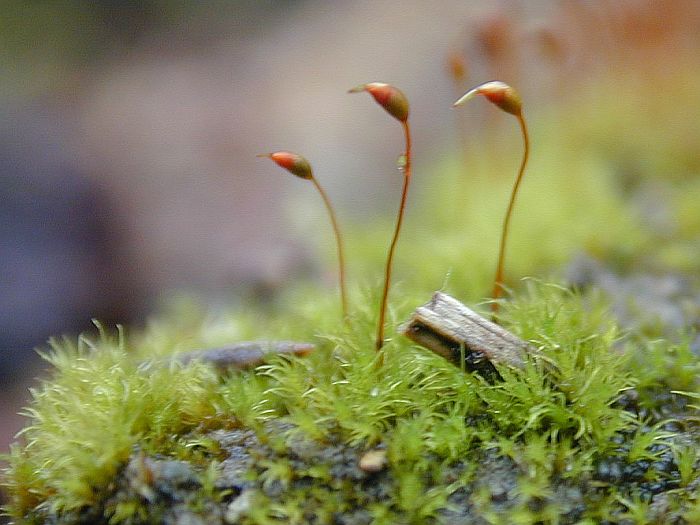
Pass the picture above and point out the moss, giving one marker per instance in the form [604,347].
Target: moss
[99,404]
[566,444]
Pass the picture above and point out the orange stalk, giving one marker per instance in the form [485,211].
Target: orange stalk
[299,166]
[498,280]
[399,221]
[395,103]
[339,244]
[507,99]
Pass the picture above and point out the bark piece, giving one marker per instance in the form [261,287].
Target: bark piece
[463,337]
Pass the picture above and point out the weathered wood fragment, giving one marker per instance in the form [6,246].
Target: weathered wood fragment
[243,355]
[463,337]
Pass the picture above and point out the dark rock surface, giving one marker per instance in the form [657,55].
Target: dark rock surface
[666,303]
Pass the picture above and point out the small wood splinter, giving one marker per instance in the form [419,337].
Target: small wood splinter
[463,337]
[244,355]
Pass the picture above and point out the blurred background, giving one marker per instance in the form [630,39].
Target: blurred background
[129,131]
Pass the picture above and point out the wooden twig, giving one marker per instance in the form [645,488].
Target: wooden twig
[243,355]
[463,337]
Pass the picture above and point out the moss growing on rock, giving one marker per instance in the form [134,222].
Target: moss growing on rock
[578,436]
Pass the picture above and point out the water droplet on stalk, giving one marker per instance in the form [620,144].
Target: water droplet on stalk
[401,162]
